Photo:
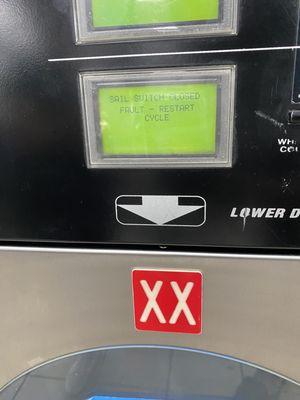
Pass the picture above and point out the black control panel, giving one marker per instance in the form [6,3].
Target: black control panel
[51,192]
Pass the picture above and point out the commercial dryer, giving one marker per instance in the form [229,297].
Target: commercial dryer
[149,199]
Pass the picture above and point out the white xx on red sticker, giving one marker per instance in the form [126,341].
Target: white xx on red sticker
[167,301]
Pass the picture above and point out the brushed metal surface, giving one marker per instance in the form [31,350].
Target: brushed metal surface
[56,302]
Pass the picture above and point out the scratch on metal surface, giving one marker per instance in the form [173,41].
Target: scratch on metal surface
[244,222]
[273,121]
[245,215]
[286,183]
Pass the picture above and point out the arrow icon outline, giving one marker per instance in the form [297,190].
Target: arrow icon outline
[167,224]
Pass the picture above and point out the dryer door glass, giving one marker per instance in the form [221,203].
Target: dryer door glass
[149,373]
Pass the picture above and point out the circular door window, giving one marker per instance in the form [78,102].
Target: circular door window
[149,373]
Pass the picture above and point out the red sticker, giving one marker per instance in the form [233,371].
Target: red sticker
[167,301]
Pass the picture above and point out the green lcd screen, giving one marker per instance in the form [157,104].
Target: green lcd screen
[126,13]
[158,120]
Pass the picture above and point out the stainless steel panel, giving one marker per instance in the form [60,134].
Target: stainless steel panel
[56,302]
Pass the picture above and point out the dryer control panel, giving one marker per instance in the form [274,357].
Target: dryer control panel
[150,123]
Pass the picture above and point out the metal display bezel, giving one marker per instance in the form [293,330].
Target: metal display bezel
[224,76]
[87,34]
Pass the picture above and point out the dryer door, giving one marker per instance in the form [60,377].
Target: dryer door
[149,372]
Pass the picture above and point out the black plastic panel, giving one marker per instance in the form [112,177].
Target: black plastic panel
[48,194]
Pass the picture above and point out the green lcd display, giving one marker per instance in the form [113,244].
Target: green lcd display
[126,13]
[158,120]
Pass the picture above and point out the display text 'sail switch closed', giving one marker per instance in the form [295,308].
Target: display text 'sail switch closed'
[167,301]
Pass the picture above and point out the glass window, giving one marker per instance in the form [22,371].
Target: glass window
[149,373]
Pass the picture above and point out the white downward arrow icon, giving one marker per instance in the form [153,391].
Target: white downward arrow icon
[160,209]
